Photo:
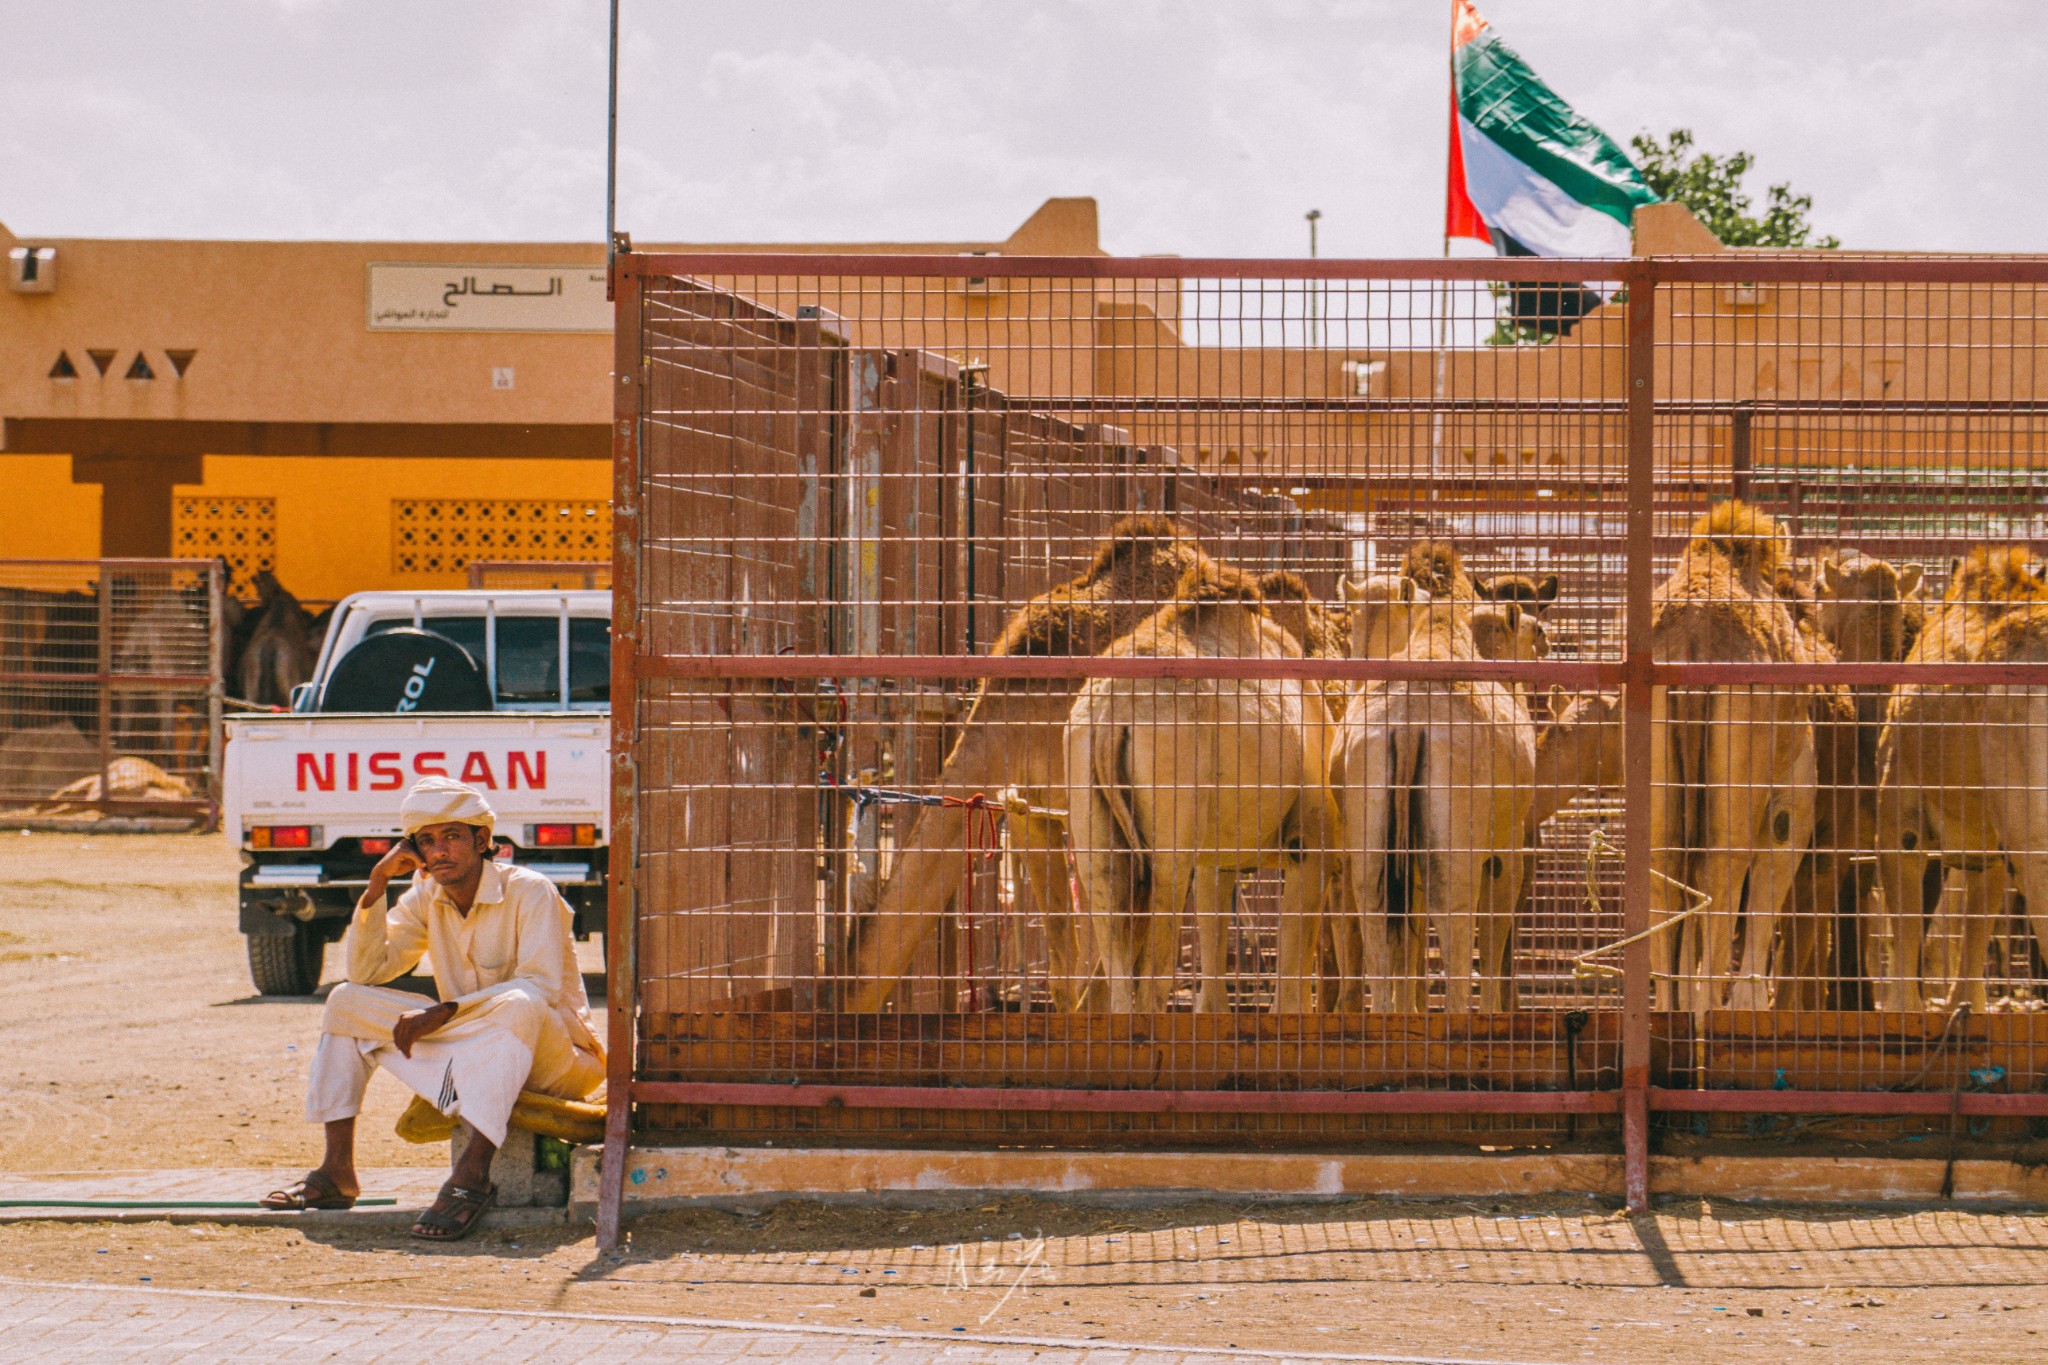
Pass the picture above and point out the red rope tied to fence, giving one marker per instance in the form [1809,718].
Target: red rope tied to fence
[984,823]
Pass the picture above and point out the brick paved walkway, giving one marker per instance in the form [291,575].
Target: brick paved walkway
[66,1322]
[410,1186]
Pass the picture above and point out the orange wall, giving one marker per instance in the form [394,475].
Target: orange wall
[334,516]
[47,515]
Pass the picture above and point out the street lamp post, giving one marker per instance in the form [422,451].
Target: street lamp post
[1313,215]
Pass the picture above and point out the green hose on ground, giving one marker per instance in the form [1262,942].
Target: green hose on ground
[156,1204]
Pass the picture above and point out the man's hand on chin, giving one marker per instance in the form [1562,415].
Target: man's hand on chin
[414,1025]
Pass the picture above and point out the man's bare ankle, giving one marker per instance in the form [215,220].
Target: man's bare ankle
[343,1179]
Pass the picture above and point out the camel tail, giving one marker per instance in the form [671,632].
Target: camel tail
[1406,846]
[1110,767]
[1690,734]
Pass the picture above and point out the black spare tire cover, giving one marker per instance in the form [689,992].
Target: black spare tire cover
[406,670]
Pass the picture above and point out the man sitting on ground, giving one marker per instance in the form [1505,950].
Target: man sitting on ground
[512,1016]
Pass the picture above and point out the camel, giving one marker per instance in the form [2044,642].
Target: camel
[1383,610]
[1510,631]
[1734,768]
[1578,750]
[1936,812]
[2013,738]
[162,632]
[1532,593]
[1852,608]
[1180,784]
[1434,781]
[1011,739]
[279,653]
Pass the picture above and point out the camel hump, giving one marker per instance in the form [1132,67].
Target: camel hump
[1284,587]
[1217,583]
[1131,539]
[1998,573]
[1436,567]
[1747,537]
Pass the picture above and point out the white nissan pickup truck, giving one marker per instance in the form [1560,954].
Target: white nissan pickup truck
[508,691]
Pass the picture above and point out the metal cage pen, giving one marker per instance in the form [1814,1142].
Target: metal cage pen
[110,691]
[1071,702]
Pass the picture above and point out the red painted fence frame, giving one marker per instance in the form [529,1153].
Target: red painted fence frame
[1636,674]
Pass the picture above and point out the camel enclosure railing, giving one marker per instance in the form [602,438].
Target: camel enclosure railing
[1519,703]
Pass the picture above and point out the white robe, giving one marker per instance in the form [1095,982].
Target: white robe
[523,1020]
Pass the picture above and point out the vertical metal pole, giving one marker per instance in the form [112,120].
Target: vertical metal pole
[1636,738]
[106,684]
[611,157]
[968,374]
[621,935]
[1738,450]
[216,687]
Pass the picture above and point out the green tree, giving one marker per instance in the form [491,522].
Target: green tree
[1712,187]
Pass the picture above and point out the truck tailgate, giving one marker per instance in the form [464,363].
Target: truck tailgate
[351,770]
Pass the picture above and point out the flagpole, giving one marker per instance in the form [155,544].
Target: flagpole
[1436,432]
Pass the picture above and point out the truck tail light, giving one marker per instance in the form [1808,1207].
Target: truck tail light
[561,836]
[377,847]
[281,836]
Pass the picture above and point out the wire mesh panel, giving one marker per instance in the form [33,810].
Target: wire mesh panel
[1850,853]
[1255,703]
[110,691]
[1018,652]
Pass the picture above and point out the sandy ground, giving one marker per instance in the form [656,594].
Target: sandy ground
[130,1037]
[1514,1282]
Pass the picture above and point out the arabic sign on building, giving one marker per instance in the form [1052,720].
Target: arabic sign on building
[405,297]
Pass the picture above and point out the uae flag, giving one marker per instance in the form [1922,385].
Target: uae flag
[1528,174]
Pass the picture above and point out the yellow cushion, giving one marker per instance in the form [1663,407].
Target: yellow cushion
[569,1120]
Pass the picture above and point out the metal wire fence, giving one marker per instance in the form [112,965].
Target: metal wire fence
[1276,703]
[110,692]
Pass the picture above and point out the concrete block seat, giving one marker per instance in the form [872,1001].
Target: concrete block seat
[516,1169]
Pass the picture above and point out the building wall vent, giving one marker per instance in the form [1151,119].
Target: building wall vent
[32,269]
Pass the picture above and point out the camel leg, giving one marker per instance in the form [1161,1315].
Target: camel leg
[1349,996]
[1303,884]
[1041,854]
[1783,842]
[1806,945]
[1367,865]
[1668,950]
[1215,892]
[1707,957]
[1902,862]
[1157,933]
[1741,749]
[1109,875]
[931,864]
[1499,898]
[928,872]
[1972,905]
[1454,909]
[2032,867]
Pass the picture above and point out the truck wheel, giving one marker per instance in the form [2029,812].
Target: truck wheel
[287,964]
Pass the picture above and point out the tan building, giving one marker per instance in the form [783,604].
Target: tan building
[364,415]
[351,415]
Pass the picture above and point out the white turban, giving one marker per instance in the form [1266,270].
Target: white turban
[441,801]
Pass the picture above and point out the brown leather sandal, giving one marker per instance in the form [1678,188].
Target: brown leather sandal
[315,1191]
[464,1209]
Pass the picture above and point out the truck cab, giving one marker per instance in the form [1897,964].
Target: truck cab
[312,793]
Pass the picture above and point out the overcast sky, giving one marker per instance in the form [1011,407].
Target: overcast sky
[1203,128]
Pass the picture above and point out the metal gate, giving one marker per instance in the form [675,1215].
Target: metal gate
[110,693]
[1259,703]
